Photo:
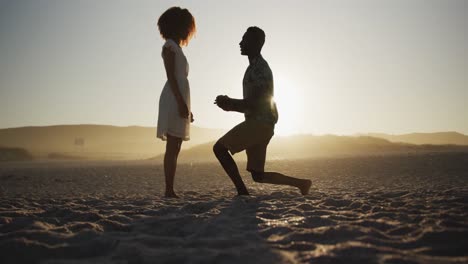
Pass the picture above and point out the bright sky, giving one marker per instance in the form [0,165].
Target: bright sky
[341,67]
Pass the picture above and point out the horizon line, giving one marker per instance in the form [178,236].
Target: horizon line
[226,129]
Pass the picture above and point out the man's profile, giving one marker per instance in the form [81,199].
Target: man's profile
[261,115]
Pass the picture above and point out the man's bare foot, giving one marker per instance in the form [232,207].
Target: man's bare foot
[305,187]
[171,195]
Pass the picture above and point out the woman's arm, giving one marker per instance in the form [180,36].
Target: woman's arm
[169,64]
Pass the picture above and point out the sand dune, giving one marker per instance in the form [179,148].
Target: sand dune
[396,209]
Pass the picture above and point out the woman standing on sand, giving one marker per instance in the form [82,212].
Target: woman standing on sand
[177,27]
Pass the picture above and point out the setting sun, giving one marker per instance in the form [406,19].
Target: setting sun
[290,102]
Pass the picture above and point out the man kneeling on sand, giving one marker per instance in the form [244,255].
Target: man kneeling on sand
[261,115]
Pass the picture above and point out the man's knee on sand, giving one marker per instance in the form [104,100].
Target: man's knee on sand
[257,176]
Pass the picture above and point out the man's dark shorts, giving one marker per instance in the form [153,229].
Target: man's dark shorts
[252,136]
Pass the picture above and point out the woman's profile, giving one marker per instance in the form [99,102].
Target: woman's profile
[176,26]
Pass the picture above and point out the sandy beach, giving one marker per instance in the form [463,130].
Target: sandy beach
[381,209]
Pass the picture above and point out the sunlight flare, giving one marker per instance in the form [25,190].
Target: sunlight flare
[289,98]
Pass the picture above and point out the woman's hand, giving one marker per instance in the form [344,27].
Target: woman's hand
[183,110]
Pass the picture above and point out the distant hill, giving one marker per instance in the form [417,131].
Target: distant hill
[307,146]
[438,138]
[135,142]
[96,141]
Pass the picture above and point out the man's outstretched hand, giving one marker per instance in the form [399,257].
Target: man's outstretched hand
[222,101]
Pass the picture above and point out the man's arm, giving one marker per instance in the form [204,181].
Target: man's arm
[261,88]
[237,105]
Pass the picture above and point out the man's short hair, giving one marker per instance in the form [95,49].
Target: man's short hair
[258,35]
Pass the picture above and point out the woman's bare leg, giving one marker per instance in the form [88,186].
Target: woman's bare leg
[170,163]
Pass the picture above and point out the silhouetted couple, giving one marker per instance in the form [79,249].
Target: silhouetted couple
[253,135]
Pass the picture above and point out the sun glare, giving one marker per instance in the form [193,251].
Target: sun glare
[290,101]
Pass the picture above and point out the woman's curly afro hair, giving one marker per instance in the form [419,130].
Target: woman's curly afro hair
[177,24]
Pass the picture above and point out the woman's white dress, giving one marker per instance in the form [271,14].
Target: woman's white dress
[169,120]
